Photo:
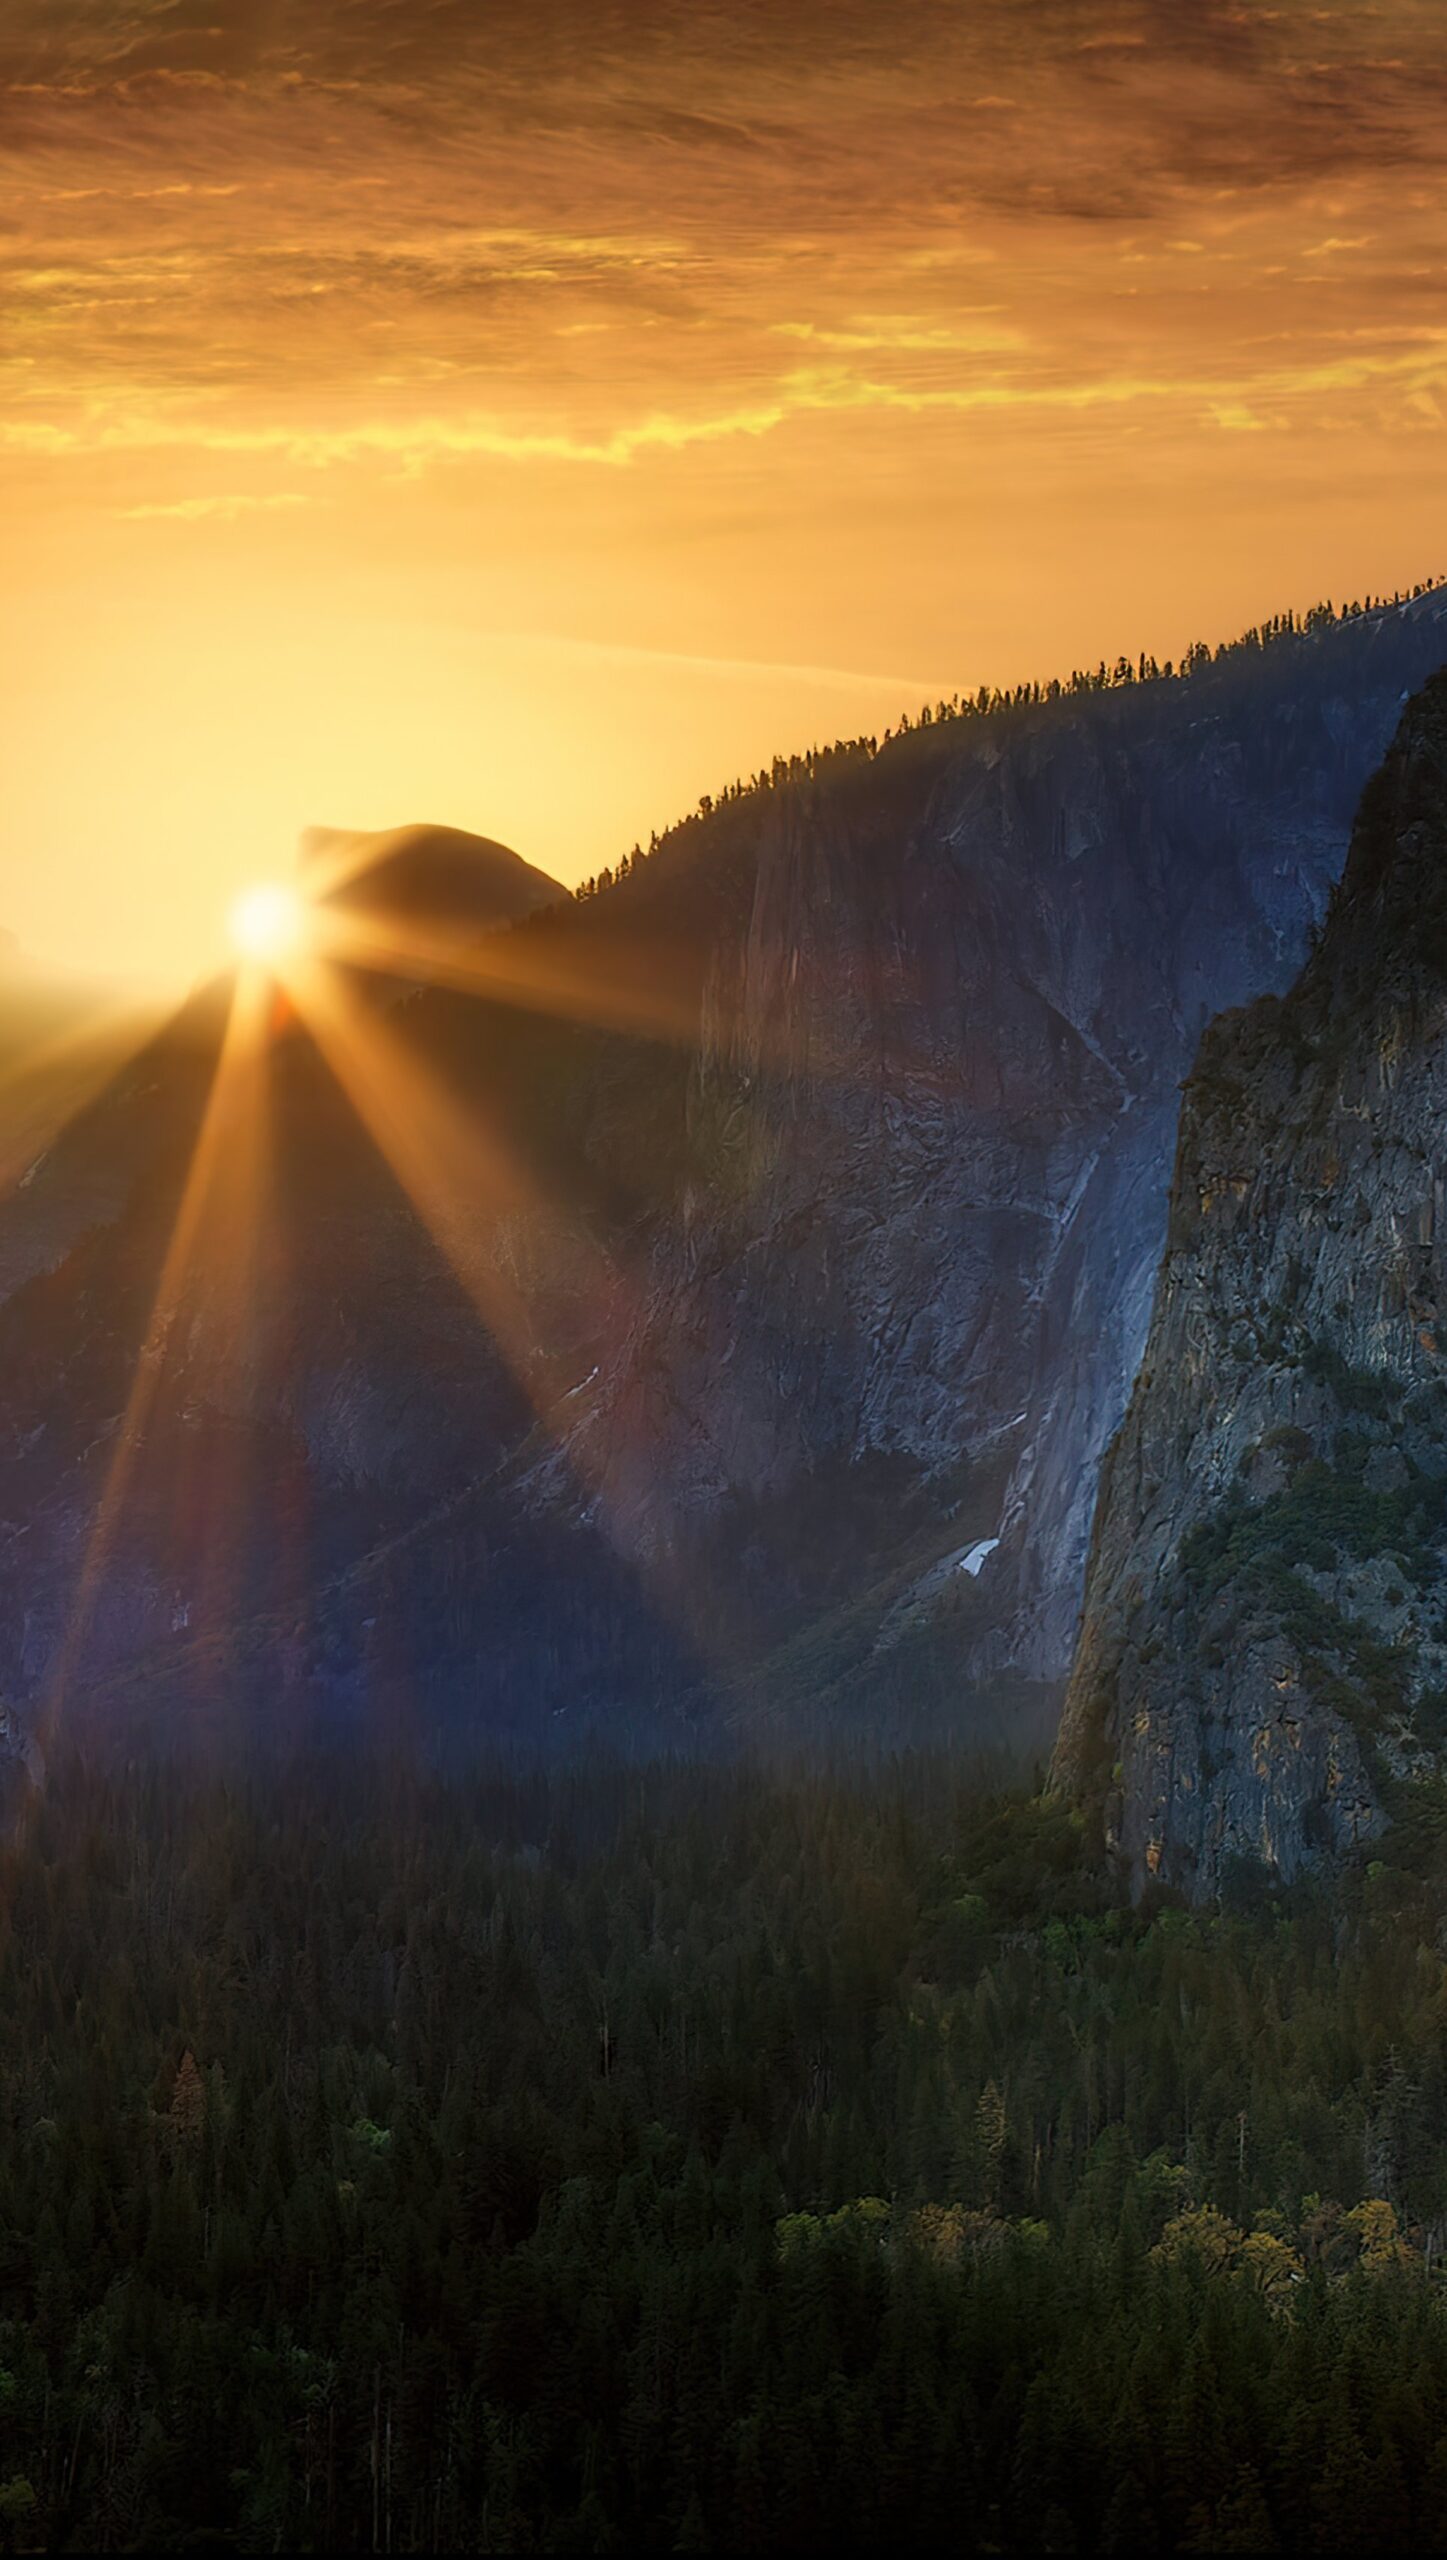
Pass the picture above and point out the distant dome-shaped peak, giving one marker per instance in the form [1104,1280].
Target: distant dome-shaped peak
[440,880]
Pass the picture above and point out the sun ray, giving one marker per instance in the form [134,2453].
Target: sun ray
[516,969]
[213,1494]
[452,1165]
[49,1086]
[231,1092]
[643,987]
[463,1181]
[110,1024]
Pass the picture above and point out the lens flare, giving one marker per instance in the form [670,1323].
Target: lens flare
[268,923]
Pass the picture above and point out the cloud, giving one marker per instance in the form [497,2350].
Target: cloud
[349,231]
[736,670]
[879,334]
[1232,401]
[226,507]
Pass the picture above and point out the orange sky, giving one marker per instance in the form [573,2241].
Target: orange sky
[530,416]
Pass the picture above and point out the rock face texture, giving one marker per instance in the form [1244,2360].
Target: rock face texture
[932,1117]
[731,1312]
[1262,1668]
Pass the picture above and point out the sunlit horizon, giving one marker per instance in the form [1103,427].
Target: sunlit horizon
[297,964]
[444,429]
[151,974]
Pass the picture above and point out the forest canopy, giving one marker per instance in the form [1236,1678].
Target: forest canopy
[701,2158]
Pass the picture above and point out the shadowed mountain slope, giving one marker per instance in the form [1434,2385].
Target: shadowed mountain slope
[1262,1673]
[798,1203]
[438,879]
[61,1040]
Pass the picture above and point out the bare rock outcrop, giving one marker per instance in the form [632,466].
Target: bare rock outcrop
[1262,1666]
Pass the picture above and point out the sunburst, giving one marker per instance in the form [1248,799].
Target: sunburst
[302,961]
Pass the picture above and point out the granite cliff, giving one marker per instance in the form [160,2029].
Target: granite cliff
[1262,1670]
[803,1194]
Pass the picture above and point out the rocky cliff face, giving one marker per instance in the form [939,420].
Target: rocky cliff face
[1262,1667]
[932,1122]
[799,1223]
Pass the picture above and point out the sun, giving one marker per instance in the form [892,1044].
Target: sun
[267,922]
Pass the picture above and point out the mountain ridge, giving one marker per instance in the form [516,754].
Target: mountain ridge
[839,1185]
[1261,1671]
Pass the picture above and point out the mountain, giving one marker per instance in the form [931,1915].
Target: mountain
[752,1274]
[438,880]
[61,1039]
[931,1118]
[1262,1671]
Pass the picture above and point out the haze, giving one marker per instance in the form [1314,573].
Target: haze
[531,417]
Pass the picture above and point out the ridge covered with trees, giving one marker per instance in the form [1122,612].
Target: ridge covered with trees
[991,702]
